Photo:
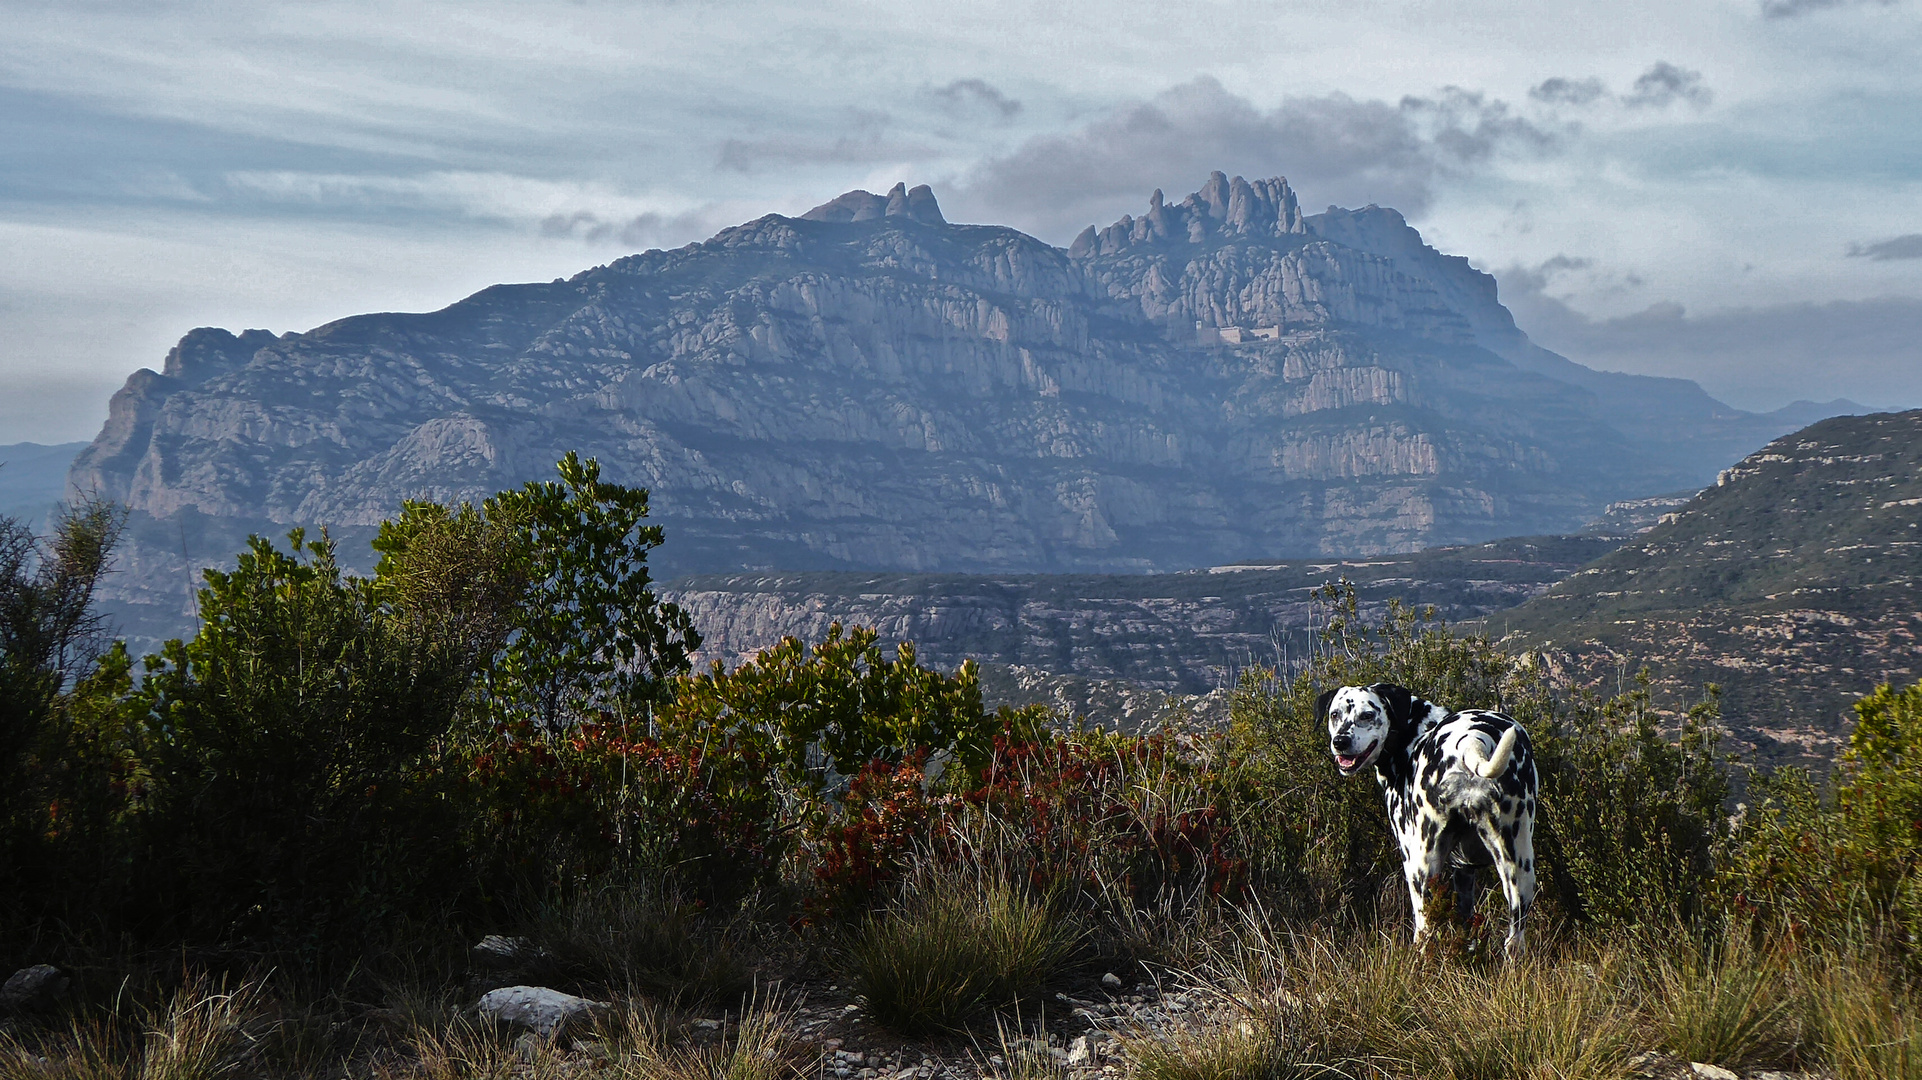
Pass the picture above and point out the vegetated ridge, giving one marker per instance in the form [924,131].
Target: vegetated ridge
[1792,582]
[1183,632]
[870,387]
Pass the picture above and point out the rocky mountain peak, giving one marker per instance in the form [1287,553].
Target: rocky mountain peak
[1223,207]
[900,201]
[209,350]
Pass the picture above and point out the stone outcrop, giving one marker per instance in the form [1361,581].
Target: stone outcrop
[870,386]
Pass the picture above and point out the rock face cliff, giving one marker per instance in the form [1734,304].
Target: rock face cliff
[871,387]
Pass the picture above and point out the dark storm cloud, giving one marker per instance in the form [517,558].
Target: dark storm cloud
[1332,149]
[1664,83]
[1898,247]
[1753,357]
[975,97]
[1788,9]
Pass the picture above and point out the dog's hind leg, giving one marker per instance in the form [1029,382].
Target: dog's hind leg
[1514,852]
[1467,883]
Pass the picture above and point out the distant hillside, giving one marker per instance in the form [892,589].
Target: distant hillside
[33,479]
[1182,632]
[1793,582]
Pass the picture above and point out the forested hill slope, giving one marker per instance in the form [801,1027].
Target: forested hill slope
[1793,583]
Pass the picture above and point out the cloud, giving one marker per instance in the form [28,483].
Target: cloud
[1664,84]
[1757,357]
[1333,148]
[1899,247]
[1788,9]
[651,229]
[870,147]
[1661,85]
[975,96]
[1561,91]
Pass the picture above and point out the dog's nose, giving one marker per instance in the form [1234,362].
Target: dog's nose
[1342,744]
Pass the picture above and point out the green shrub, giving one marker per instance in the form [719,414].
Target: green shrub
[835,707]
[1630,822]
[60,755]
[548,809]
[952,944]
[1848,864]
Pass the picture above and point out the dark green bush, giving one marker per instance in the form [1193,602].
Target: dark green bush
[64,773]
[292,794]
[1631,821]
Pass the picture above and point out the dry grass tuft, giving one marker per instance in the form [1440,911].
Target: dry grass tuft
[1724,1001]
[205,1032]
[956,942]
[1865,1023]
[1018,1055]
[642,939]
[758,1046]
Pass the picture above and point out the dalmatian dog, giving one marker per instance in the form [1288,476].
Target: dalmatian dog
[1460,789]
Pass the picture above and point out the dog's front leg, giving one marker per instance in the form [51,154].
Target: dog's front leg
[1422,868]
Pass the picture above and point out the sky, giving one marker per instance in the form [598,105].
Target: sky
[1723,190]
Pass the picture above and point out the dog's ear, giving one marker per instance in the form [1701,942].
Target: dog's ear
[1400,701]
[1321,706]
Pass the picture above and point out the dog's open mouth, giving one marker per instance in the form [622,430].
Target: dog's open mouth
[1350,764]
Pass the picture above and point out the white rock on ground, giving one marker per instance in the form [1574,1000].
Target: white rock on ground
[548,1013]
[1712,1072]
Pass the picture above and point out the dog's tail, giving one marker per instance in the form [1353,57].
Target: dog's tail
[1471,790]
[1493,764]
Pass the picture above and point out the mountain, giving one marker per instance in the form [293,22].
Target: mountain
[869,386]
[1182,633]
[1792,582]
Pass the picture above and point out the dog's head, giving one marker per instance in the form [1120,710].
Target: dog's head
[1361,720]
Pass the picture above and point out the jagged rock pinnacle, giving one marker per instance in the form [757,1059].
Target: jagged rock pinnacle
[900,201]
[1223,206]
